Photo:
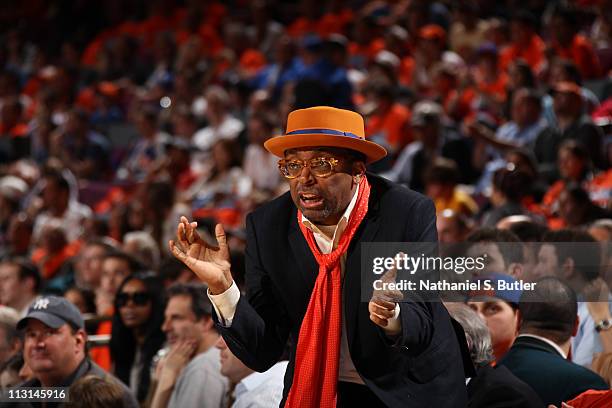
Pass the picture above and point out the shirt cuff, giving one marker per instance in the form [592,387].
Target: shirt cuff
[225,304]
[394,324]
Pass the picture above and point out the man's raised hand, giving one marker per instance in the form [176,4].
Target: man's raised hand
[210,264]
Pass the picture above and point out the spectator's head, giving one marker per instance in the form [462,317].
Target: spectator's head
[526,107]
[452,227]
[188,316]
[83,299]
[91,391]
[570,255]
[77,123]
[10,342]
[549,310]
[171,270]
[498,308]
[523,161]
[520,75]
[9,371]
[143,247]
[522,27]
[383,95]
[19,233]
[217,104]
[476,333]
[11,111]
[431,42]
[226,154]
[563,24]
[573,160]
[506,258]
[260,128]
[576,208]
[441,178]
[137,321]
[55,339]
[20,282]
[285,50]
[564,70]
[56,193]
[601,230]
[567,102]
[426,122]
[231,366]
[116,266]
[510,185]
[488,58]
[88,265]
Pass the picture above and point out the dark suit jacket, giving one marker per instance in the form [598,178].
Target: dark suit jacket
[424,368]
[554,378]
[497,387]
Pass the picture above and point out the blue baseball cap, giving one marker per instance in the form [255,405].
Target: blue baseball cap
[54,311]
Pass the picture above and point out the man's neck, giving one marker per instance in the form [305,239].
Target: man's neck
[208,340]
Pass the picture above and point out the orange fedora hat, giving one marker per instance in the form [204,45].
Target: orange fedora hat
[323,126]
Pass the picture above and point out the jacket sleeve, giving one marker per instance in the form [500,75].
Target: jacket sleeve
[260,327]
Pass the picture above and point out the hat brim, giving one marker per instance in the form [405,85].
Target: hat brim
[50,320]
[279,144]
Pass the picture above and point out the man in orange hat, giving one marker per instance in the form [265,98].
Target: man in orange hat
[303,281]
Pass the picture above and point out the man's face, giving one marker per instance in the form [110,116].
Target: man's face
[548,262]
[502,321]
[494,260]
[180,322]
[114,271]
[89,266]
[51,352]
[322,200]
[10,285]
[231,366]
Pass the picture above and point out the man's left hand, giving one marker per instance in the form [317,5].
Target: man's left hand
[383,302]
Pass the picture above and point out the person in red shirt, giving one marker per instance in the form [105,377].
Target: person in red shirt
[567,43]
[390,119]
[526,43]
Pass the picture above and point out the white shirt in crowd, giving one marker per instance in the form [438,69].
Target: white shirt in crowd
[261,390]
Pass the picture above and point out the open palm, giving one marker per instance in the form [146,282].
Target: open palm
[210,264]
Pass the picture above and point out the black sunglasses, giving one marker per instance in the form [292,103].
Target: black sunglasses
[139,298]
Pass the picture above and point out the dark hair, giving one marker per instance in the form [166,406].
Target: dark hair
[200,304]
[26,270]
[442,171]
[511,253]
[528,231]
[134,264]
[526,73]
[512,183]
[586,257]
[568,14]
[549,310]
[89,298]
[58,178]
[92,391]
[570,69]
[524,17]
[123,343]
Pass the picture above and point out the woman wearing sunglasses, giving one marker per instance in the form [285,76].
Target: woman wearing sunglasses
[137,335]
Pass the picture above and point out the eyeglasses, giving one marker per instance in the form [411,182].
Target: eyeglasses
[319,167]
[139,298]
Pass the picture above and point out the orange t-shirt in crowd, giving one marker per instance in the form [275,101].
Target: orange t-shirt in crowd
[101,354]
[533,54]
[495,89]
[394,125]
[581,52]
[49,264]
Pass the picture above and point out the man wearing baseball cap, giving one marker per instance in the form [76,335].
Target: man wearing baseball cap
[55,346]
[303,279]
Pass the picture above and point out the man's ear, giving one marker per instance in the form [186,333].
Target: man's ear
[516,270]
[359,169]
[80,338]
[576,324]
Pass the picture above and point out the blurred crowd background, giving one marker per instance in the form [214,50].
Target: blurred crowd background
[117,117]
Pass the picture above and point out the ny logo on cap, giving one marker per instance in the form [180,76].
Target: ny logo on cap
[41,303]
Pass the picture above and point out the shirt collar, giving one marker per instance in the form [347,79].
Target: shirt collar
[547,341]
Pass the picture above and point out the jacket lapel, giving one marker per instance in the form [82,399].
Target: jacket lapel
[301,257]
[351,290]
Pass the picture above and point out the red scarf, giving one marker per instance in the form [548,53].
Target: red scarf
[315,378]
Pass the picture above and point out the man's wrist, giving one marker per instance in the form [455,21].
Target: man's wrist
[220,287]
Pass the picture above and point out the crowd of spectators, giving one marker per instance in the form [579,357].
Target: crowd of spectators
[117,118]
